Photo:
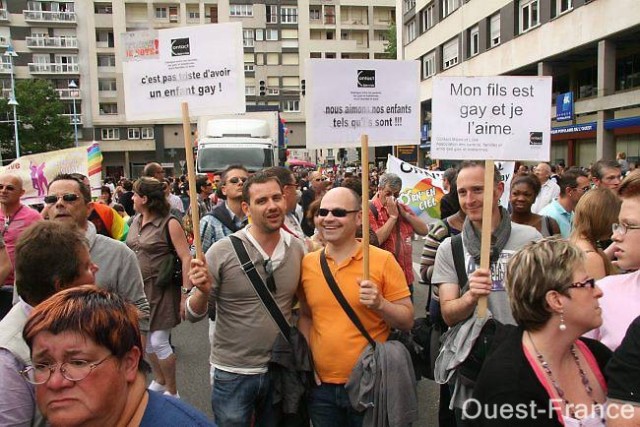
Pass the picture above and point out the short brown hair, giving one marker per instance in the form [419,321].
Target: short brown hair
[595,212]
[497,177]
[536,269]
[154,191]
[630,186]
[104,317]
[258,178]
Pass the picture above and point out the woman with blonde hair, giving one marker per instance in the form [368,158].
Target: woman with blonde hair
[596,211]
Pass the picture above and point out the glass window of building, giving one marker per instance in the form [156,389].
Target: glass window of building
[428,65]
[529,15]
[450,53]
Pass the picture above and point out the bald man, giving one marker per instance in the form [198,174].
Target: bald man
[549,190]
[14,218]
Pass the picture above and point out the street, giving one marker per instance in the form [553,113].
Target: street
[192,348]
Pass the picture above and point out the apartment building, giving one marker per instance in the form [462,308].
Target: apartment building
[74,44]
[589,47]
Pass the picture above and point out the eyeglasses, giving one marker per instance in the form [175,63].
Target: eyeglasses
[236,180]
[73,370]
[589,283]
[7,187]
[622,229]
[337,212]
[69,198]
[583,189]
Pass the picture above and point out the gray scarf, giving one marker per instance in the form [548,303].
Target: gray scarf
[471,237]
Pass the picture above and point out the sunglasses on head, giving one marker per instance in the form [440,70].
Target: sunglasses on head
[236,180]
[337,212]
[69,197]
[7,187]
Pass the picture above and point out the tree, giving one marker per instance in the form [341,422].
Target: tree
[391,48]
[41,127]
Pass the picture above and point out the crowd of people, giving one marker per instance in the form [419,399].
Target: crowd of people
[298,335]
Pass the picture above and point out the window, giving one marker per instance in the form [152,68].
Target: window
[146,133]
[329,14]
[240,10]
[259,34]
[250,90]
[587,82]
[494,30]
[474,41]
[563,6]
[411,31]
[314,13]
[409,4]
[449,6]
[249,68]
[529,15]
[450,53]
[162,13]
[628,72]
[428,17]
[291,105]
[133,133]
[272,14]
[110,133]
[193,14]
[107,85]
[271,34]
[428,65]
[273,58]
[288,15]
[103,8]
[108,108]
[106,60]
[247,38]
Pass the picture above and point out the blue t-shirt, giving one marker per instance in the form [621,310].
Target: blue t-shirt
[167,411]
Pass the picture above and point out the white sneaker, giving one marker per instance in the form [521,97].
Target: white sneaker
[177,395]
[155,386]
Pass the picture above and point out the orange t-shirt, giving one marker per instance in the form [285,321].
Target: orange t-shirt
[335,342]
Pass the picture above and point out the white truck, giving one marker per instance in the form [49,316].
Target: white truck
[249,139]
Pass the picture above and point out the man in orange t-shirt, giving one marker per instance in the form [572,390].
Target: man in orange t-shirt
[381,303]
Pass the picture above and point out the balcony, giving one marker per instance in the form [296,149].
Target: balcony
[46,16]
[68,93]
[53,68]
[4,15]
[70,116]
[5,67]
[66,42]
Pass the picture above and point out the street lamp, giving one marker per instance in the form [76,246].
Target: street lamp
[10,54]
[74,93]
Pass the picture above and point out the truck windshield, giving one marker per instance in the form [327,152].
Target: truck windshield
[217,158]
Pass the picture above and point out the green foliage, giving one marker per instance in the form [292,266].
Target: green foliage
[41,126]
[391,48]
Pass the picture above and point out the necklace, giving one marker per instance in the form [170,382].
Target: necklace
[583,377]
[7,221]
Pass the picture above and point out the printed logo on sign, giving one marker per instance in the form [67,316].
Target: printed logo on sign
[366,78]
[535,138]
[180,47]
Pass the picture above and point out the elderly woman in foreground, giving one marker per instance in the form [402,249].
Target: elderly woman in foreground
[87,364]
[542,372]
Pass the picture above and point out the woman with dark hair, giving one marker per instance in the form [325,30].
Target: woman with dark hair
[106,198]
[524,190]
[153,236]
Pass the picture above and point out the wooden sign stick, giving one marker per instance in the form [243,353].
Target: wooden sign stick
[364,144]
[191,173]
[485,246]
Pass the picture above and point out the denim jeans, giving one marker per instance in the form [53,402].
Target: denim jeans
[238,399]
[329,406]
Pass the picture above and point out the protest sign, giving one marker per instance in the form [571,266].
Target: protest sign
[491,118]
[202,65]
[37,170]
[350,98]
[423,189]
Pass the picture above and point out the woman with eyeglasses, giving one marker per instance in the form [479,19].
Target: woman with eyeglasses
[593,217]
[542,371]
[87,365]
[153,235]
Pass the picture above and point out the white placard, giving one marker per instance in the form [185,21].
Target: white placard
[348,98]
[491,118]
[202,65]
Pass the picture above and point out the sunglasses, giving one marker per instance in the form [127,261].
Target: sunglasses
[337,212]
[589,283]
[236,180]
[69,198]
[7,187]
[271,283]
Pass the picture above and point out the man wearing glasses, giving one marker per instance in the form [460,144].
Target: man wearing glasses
[381,303]
[620,303]
[573,184]
[14,218]
[245,332]
[69,200]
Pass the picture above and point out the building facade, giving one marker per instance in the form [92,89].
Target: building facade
[77,43]
[589,47]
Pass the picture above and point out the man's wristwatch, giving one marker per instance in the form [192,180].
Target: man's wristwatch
[185,291]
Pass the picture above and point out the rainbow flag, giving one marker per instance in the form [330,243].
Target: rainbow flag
[94,158]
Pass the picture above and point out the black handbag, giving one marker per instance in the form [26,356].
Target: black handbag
[170,272]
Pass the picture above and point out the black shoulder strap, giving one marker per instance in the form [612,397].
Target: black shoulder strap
[373,209]
[259,286]
[342,300]
[458,260]
[220,212]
